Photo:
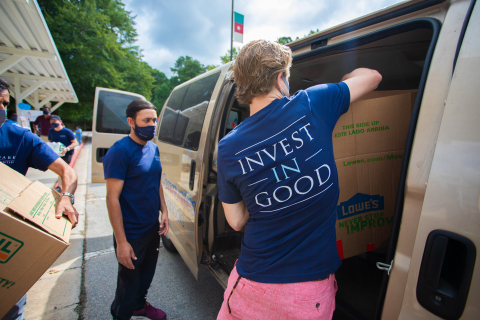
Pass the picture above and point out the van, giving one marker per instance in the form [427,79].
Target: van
[426,268]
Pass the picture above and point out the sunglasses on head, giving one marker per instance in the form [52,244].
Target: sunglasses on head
[5,103]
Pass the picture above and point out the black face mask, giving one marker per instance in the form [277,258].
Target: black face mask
[145,133]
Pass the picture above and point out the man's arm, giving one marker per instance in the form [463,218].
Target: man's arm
[164,224]
[361,81]
[124,249]
[236,214]
[69,184]
[72,146]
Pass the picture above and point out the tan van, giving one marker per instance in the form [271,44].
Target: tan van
[427,51]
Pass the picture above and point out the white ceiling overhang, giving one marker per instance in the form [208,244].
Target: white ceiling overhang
[29,60]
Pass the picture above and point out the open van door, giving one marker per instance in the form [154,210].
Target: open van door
[444,277]
[182,138]
[109,124]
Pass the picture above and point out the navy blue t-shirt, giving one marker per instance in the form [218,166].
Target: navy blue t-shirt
[280,162]
[21,149]
[139,166]
[64,136]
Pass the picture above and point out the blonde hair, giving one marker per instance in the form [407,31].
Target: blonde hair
[257,66]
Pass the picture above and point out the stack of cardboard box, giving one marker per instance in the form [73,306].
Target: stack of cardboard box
[368,143]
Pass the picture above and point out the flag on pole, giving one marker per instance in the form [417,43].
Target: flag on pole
[238,27]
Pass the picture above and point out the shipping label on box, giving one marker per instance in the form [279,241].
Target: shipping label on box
[368,143]
[31,238]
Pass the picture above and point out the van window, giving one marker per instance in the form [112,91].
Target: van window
[111,117]
[185,111]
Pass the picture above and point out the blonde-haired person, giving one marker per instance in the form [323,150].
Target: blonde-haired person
[277,178]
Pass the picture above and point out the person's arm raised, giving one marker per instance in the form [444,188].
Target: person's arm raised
[361,81]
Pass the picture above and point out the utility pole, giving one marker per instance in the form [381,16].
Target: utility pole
[231,36]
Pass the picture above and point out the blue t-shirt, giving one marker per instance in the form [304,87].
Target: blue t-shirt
[280,162]
[139,166]
[21,149]
[64,136]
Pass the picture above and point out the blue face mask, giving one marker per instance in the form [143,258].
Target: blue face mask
[145,133]
[3,116]
[55,124]
[46,112]
[288,87]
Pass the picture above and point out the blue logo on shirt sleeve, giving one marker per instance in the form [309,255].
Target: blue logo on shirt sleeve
[358,204]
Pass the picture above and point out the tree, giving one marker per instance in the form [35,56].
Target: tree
[184,69]
[226,58]
[284,40]
[95,41]
[187,68]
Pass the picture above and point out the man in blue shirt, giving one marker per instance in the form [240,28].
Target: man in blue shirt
[78,134]
[277,178]
[134,198]
[21,149]
[58,133]
[12,118]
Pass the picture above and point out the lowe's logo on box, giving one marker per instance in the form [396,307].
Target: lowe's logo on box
[358,204]
[8,247]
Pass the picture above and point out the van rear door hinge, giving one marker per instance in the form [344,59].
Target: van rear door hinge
[385,266]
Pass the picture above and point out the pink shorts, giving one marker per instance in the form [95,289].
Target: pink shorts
[303,300]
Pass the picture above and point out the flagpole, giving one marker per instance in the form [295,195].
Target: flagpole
[231,37]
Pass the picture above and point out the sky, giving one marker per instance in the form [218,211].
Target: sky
[168,29]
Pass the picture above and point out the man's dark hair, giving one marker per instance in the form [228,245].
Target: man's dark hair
[4,85]
[137,105]
[10,114]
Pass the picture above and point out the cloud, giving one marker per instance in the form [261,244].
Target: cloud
[201,28]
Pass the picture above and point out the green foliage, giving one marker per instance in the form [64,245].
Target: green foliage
[95,41]
[284,40]
[226,58]
[185,68]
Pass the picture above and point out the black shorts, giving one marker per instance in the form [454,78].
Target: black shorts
[68,156]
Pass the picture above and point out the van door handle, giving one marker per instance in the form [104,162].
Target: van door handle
[446,273]
[192,174]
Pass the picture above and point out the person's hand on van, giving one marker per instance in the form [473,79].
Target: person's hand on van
[125,254]
[164,225]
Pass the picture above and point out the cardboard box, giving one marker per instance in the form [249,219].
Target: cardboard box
[368,143]
[31,238]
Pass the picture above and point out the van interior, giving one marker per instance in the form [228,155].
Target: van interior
[400,55]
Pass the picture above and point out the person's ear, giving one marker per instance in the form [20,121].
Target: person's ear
[279,79]
[131,122]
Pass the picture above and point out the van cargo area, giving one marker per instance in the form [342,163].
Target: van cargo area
[400,54]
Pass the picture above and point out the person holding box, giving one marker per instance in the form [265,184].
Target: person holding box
[21,149]
[277,179]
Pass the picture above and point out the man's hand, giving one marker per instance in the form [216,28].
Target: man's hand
[164,224]
[64,150]
[125,254]
[65,207]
